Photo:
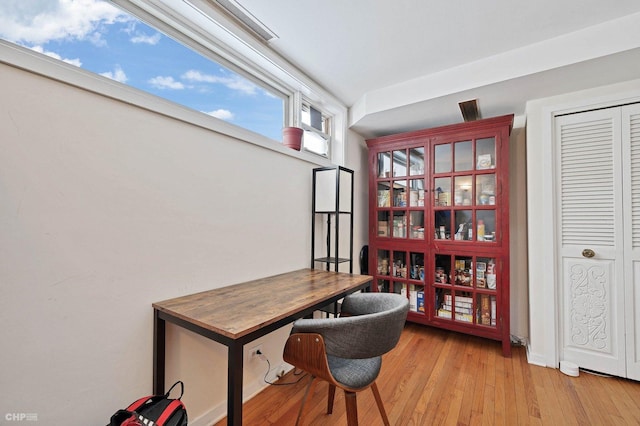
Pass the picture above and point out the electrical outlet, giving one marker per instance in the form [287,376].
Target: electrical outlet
[254,352]
[280,371]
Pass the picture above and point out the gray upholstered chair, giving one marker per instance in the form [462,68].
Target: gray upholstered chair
[346,352]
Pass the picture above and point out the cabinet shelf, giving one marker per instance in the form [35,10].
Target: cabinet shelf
[438,207]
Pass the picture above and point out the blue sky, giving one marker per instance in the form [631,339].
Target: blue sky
[99,37]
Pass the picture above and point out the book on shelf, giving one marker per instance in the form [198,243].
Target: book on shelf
[416,198]
[466,299]
[421,301]
[459,304]
[416,297]
[466,309]
[443,313]
[413,298]
[400,226]
[493,311]
[383,228]
[481,268]
[485,309]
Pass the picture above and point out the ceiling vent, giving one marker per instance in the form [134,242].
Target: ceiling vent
[469,110]
[246,18]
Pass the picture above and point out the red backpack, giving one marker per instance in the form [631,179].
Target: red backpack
[158,410]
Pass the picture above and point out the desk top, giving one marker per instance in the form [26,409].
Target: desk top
[237,310]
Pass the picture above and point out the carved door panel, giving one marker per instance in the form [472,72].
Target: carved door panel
[590,239]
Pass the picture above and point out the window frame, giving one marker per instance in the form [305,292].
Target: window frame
[326,119]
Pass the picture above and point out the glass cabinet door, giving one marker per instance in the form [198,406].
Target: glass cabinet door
[400,197]
[464,189]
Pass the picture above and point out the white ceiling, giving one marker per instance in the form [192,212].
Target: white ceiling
[405,64]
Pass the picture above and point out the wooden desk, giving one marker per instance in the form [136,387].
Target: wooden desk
[238,314]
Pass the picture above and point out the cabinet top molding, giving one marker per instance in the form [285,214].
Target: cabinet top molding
[473,127]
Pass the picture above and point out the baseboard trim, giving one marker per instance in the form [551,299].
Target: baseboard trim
[535,359]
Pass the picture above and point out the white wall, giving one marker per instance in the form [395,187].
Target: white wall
[543,281]
[357,152]
[518,283]
[105,208]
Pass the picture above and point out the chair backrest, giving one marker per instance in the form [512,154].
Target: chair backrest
[373,328]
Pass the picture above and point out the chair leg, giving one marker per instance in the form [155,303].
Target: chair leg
[376,395]
[352,408]
[307,392]
[330,399]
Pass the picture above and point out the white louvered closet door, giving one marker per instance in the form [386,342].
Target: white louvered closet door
[590,240]
[631,167]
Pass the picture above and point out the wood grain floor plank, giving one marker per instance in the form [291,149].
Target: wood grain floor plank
[435,377]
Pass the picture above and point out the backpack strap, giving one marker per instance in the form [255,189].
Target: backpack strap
[179,382]
[139,403]
[174,406]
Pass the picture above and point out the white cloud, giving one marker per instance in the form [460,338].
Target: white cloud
[161,82]
[234,82]
[40,49]
[148,39]
[40,21]
[242,85]
[222,114]
[117,75]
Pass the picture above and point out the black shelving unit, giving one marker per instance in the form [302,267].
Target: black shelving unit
[332,203]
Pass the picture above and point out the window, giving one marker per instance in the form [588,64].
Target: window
[317,130]
[108,41]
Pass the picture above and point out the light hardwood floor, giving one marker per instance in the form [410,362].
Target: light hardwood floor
[436,377]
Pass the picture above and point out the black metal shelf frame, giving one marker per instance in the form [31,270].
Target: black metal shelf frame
[343,179]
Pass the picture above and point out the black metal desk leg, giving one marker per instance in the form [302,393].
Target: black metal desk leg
[234,384]
[159,339]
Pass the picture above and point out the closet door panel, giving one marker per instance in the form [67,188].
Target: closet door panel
[589,233]
[631,161]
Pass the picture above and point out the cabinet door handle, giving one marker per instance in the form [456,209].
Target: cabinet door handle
[588,253]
